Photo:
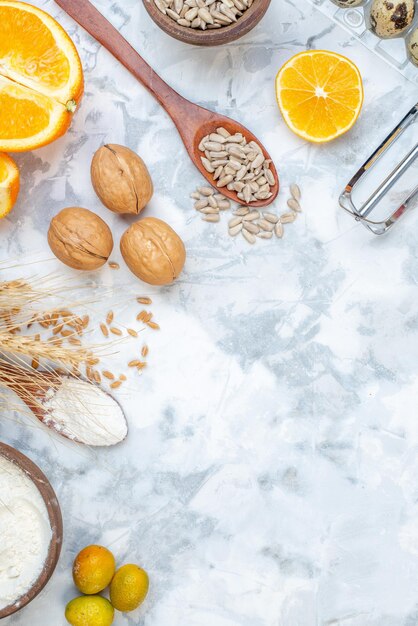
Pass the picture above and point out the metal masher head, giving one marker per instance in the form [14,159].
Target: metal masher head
[363,213]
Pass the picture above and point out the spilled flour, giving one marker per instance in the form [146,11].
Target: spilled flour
[80,410]
[25,533]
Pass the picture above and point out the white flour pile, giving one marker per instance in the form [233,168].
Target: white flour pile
[25,533]
[85,412]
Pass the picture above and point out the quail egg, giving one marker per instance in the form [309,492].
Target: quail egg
[347,4]
[412,46]
[390,18]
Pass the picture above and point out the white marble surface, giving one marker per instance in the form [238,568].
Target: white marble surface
[270,474]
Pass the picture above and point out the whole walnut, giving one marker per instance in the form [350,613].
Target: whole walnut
[80,238]
[153,251]
[121,179]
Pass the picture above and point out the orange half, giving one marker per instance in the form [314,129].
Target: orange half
[9,184]
[320,94]
[41,77]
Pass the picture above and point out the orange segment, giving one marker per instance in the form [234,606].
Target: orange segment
[41,77]
[29,118]
[37,52]
[9,184]
[320,94]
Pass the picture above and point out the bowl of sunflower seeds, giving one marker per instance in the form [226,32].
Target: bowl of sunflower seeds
[206,22]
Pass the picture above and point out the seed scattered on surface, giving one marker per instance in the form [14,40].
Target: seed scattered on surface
[287,218]
[294,205]
[116,331]
[210,203]
[109,317]
[251,227]
[235,230]
[235,221]
[144,300]
[144,317]
[134,363]
[248,236]
[144,351]
[251,223]
[116,384]
[270,217]
[122,377]
[242,211]
[132,332]
[211,218]
[114,266]
[104,330]
[108,375]
[153,325]
[279,230]
[254,215]
[295,192]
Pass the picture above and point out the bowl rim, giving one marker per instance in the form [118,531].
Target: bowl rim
[210,37]
[48,495]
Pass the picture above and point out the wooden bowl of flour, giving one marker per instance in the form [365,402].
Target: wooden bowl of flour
[49,498]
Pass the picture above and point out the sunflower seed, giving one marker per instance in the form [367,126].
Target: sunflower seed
[235,230]
[294,205]
[234,222]
[211,218]
[210,211]
[254,215]
[251,227]
[295,191]
[265,225]
[279,230]
[242,211]
[248,236]
[287,218]
[270,217]
[223,182]
[206,191]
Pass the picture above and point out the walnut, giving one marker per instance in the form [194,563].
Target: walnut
[153,251]
[121,179]
[80,238]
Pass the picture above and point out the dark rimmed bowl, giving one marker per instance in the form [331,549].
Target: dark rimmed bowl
[216,37]
[55,519]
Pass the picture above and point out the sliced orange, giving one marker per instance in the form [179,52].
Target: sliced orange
[41,77]
[320,94]
[9,184]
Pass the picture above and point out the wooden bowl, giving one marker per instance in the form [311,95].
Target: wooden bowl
[215,37]
[55,519]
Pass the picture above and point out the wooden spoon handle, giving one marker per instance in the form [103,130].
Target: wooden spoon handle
[83,12]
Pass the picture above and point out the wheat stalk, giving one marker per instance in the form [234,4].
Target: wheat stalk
[17,314]
[51,351]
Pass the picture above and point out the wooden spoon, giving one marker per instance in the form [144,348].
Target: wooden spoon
[36,388]
[192,121]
